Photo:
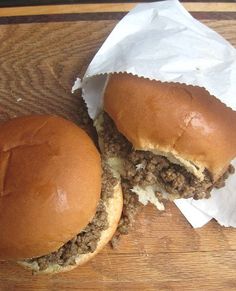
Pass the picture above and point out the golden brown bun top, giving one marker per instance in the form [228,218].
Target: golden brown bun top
[114,206]
[183,120]
[50,183]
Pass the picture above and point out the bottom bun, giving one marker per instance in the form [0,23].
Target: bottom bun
[114,207]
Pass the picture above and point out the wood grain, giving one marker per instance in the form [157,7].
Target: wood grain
[102,7]
[39,63]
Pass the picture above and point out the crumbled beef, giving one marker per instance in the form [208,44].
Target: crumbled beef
[130,208]
[108,182]
[114,142]
[144,168]
[86,241]
[221,181]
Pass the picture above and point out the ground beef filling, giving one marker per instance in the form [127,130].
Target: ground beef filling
[108,182]
[131,207]
[144,168]
[86,241]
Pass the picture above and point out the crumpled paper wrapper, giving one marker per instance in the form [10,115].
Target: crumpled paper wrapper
[162,41]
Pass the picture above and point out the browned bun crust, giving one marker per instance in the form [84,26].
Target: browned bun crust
[182,120]
[50,183]
[114,208]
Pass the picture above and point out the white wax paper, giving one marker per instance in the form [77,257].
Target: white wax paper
[163,41]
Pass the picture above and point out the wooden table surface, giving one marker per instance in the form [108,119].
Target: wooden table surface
[42,49]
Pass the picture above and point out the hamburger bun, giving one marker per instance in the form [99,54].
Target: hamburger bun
[114,209]
[50,185]
[182,122]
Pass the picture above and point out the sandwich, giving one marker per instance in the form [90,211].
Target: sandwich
[59,206]
[166,140]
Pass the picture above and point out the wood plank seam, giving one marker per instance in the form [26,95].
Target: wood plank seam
[109,7]
[101,16]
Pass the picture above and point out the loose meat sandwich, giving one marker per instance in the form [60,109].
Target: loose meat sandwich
[168,138]
[58,205]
